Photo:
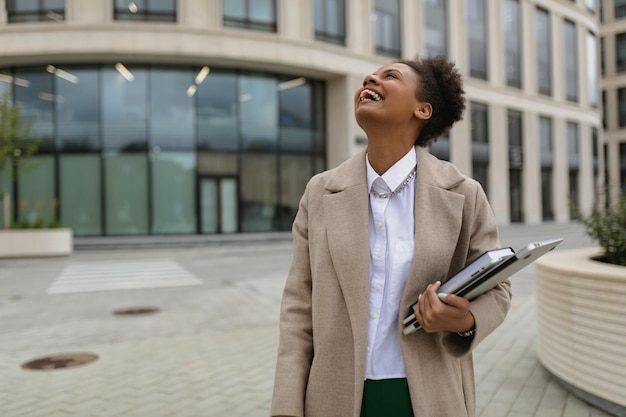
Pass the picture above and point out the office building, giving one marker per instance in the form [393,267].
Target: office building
[209,116]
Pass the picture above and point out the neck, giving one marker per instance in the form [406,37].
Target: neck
[384,153]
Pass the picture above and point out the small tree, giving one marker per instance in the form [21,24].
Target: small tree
[16,142]
[608,227]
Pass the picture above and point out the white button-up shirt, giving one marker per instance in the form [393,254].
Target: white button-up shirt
[392,242]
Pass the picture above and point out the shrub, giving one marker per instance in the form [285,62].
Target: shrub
[608,228]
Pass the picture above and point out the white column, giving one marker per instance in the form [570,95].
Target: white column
[359,26]
[557,58]
[529,54]
[412,26]
[457,31]
[495,39]
[200,14]
[295,19]
[586,186]
[88,11]
[499,164]
[3,13]
[532,170]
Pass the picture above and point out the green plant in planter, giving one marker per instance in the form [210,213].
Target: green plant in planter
[608,228]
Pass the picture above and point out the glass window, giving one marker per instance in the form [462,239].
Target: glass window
[620,52]
[511,24]
[544,60]
[570,51]
[296,124]
[622,166]
[516,162]
[386,27]
[436,28]
[78,108]
[258,107]
[591,5]
[477,37]
[620,8]
[171,109]
[545,146]
[250,14]
[602,56]
[124,112]
[441,148]
[126,194]
[146,10]
[592,69]
[81,203]
[621,100]
[479,118]
[36,98]
[216,112]
[35,10]
[572,151]
[259,185]
[173,193]
[36,191]
[295,172]
[330,21]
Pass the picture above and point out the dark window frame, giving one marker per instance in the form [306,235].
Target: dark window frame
[327,35]
[250,23]
[39,14]
[145,14]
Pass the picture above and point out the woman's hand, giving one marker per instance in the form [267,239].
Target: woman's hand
[443,312]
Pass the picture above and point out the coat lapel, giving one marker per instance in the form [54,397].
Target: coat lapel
[346,209]
[438,220]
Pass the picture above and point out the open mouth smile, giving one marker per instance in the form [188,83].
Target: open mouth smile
[369,95]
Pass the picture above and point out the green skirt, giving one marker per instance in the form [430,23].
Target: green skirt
[386,398]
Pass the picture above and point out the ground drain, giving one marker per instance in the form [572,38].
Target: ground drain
[62,360]
[136,311]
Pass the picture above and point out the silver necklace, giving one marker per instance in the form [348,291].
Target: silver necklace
[401,187]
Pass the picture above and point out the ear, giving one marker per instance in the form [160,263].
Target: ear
[423,111]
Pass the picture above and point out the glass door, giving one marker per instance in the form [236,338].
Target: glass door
[219,205]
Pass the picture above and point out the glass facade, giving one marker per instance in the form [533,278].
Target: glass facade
[512,28]
[516,165]
[145,10]
[546,158]
[573,163]
[570,60]
[386,27]
[479,119]
[543,41]
[250,14]
[477,35]
[619,8]
[144,149]
[436,28]
[35,10]
[330,21]
[593,83]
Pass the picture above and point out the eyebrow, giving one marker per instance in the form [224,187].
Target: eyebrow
[387,71]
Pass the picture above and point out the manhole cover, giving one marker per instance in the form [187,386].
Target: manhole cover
[62,360]
[136,311]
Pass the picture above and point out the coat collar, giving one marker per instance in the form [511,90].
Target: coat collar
[438,220]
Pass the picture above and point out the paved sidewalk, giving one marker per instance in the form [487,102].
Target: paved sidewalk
[210,351]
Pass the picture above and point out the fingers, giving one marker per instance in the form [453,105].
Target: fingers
[439,311]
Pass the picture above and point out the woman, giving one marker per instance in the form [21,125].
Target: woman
[372,236]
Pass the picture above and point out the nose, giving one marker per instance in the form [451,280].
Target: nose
[370,79]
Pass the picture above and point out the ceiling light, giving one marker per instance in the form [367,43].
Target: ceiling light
[291,83]
[204,71]
[62,74]
[132,7]
[192,90]
[124,72]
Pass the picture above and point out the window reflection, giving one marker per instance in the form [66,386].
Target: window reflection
[78,112]
[511,23]
[36,101]
[259,186]
[295,118]
[250,14]
[436,28]
[477,37]
[124,113]
[330,24]
[35,10]
[37,203]
[544,50]
[80,198]
[171,109]
[386,28]
[145,10]
[258,104]
[217,112]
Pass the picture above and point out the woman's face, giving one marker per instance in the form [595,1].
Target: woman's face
[389,94]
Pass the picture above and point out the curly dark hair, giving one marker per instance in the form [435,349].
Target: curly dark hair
[440,84]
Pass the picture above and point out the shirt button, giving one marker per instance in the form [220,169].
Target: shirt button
[379,225]
[373,315]
[379,255]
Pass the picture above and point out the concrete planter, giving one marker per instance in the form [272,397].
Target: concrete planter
[23,243]
[582,325]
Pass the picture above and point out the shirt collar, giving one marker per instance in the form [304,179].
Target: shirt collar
[395,175]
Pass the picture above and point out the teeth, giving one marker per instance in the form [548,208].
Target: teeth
[369,95]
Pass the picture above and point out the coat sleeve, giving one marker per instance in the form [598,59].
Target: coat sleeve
[491,308]
[295,350]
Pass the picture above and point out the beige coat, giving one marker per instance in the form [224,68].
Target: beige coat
[324,314]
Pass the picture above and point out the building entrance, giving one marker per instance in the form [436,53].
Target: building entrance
[219,204]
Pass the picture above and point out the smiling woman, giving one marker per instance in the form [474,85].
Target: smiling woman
[372,235]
